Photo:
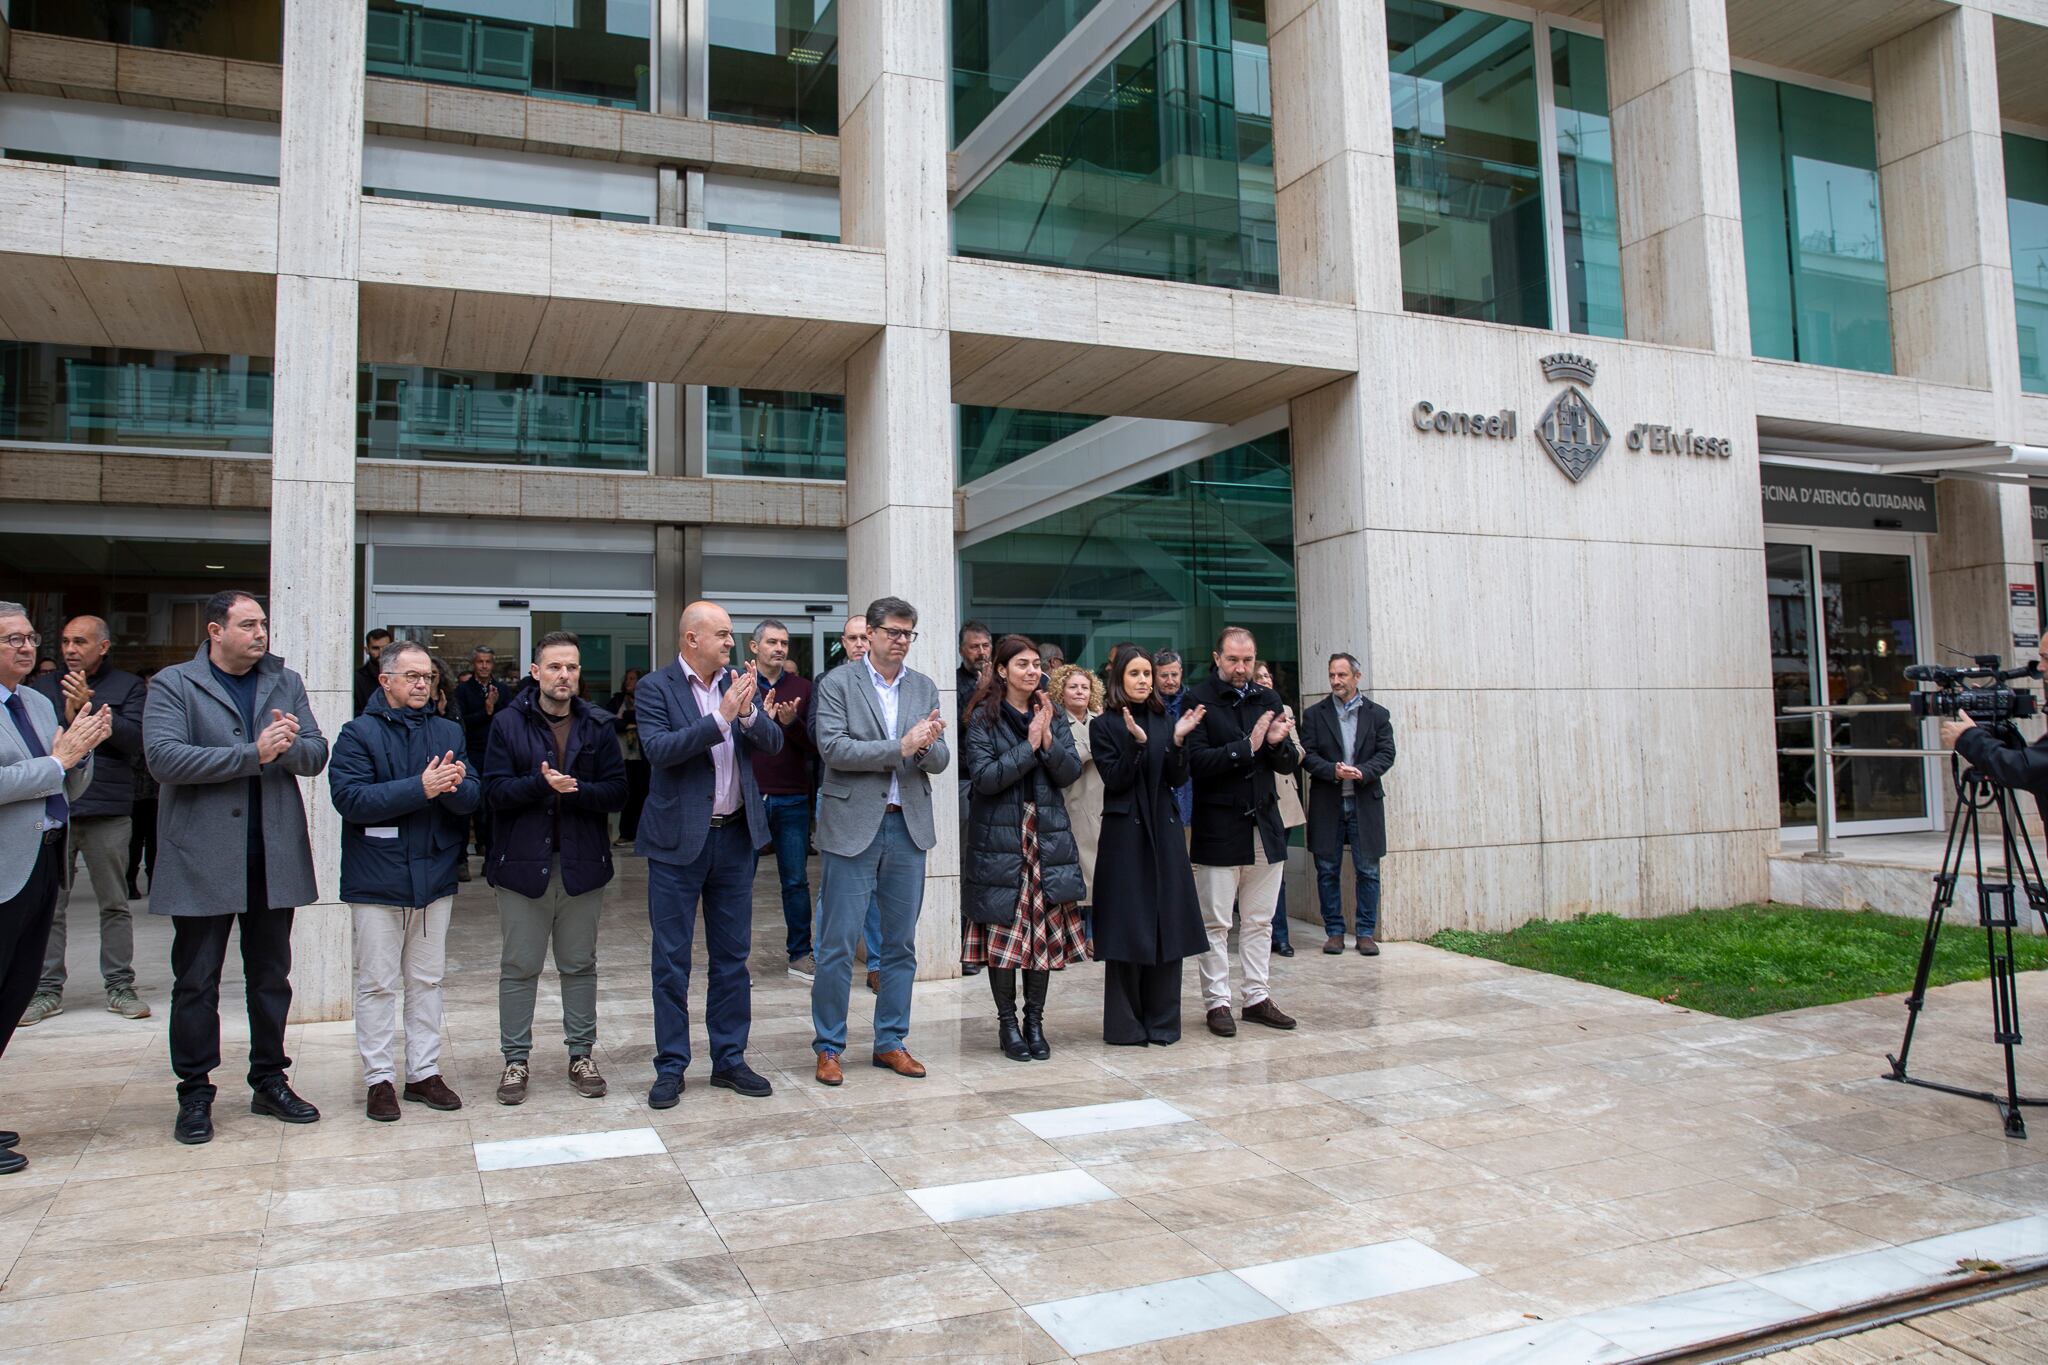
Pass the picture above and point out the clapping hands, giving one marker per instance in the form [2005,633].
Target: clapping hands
[277,736]
[924,734]
[442,775]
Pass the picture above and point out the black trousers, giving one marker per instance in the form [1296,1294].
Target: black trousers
[25,933]
[142,839]
[199,949]
[1140,1003]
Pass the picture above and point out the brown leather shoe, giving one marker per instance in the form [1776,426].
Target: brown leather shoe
[434,1093]
[382,1104]
[1267,1013]
[828,1068]
[1220,1022]
[1367,948]
[875,982]
[901,1062]
[1334,944]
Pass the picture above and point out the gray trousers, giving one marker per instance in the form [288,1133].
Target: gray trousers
[102,841]
[570,923]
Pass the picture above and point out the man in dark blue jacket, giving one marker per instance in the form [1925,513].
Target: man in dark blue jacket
[552,774]
[400,778]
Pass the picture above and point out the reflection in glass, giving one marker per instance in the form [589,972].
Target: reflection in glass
[246,30]
[1788,577]
[2026,211]
[1467,169]
[610,643]
[775,63]
[996,43]
[102,396]
[151,593]
[1585,174]
[1812,236]
[993,437]
[417,412]
[1867,605]
[588,51]
[770,434]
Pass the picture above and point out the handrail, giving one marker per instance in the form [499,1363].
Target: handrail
[1825,752]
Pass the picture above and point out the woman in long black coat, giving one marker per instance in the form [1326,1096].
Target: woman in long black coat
[1147,917]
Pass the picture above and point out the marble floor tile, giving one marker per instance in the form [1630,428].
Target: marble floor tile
[703,1332]
[1773,1243]
[1334,1277]
[562,1253]
[1155,1174]
[54,1318]
[1605,1279]
[1005,1337]
[1075,1225]
[2019,1239]
[1287,1339]
[517,1153]
[863,1256]
[622,1290]
[1695,1208]
[106,1266]
[1688,1319]
[1844,1280]
[315,1284]
[778,1189]
[427,1195]
[947,1291]
[1913,1214]
[1536,1343]
[1010,1194]
[591,1178]
[1155,1312]
[755,1229]
[1100,1118]
[1070,1272]
[1418,1318]
[1490,1248]
[211,1343]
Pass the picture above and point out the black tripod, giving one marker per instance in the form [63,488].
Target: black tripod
[1998,912]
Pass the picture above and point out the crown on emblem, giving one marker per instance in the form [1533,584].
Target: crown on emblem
[1565,365]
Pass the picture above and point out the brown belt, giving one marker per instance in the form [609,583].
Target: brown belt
[721,821]
[53,836]
[894,807]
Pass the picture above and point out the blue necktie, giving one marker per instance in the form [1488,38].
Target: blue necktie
[56,809]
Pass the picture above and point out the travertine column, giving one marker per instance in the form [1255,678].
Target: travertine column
[312,491]
[893,72]
[1680,203]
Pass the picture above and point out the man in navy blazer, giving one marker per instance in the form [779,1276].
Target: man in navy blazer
[704,818]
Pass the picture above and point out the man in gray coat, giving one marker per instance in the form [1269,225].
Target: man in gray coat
[880,738]
[226,736]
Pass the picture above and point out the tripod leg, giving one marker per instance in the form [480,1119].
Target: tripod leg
[1962,831]
[2001,915]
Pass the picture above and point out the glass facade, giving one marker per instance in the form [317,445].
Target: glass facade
[1812,236]
[1165,562]
[416,412]
[993,437]
[996,43]
[775,63]
[1162,165]
[1468,176]
[99,163]
[589,51]
[2026,213]
[1585,182]
[771,434]
[246,30]
[89,395]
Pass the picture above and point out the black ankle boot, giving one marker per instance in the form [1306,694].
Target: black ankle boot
[1034,1014]
[1002,984]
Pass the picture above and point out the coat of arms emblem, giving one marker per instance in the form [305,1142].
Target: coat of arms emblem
[1570,429]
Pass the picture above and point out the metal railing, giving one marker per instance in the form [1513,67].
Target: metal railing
[1825,751]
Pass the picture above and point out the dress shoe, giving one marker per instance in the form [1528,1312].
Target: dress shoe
[828,1068]
[875,982]
[1367,948]
[382,1104]
[1283,950]
[512,1085]
[970,969]
[195,1121]
[744,1080]
[1267,1013]
[1220,1022]
[12,1161]
[434,1093]
[901,1062]
[584,1076]
[665,1092]
[275,1098]
[9,1138]
[1334,944]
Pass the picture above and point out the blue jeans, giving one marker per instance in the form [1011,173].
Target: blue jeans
[789,828]
[1330,889]
[723,878]
[871,932]
[1280,917]
[888,873]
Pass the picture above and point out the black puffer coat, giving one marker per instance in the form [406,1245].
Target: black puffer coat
[1003,771]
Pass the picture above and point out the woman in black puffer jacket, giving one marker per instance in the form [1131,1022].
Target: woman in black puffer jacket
[1020,868]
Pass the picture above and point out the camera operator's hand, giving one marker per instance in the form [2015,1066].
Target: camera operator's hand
[1951,729]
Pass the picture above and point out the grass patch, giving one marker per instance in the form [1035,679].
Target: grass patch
[1748,959]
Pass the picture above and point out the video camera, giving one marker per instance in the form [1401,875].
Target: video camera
[1979,691]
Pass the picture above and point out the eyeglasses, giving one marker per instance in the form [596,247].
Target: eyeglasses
[414,679]
[21,641]
[898,633]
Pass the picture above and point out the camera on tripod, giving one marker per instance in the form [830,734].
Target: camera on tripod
[1979,691]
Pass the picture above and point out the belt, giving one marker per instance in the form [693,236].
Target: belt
[892,806]
[53,836]
[721,821]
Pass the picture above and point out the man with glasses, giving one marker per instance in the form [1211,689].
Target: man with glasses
[880,738]
[401,780]
[43,769]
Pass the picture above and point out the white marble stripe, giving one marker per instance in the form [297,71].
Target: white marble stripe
[1011,1194]
[1535,1343]
[2022,1239]
[1689,1319]
[1367,1272]
[1151,1312]
[1844,1280]
[1100,1118]
[565,1148]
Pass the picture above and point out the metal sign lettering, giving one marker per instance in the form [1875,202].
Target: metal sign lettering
[1571,429]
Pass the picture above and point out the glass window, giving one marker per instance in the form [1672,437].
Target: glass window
[770,434]
[1812,236]
[426,197]
[1467,164]
[100,163]
[775,63]
[993,437]
[609,643]
[1166,562]
[1161,166]
[589,51]
[1585,182]
[2026,211]
[417,412]
[103,396]
[996,43]
[246,30]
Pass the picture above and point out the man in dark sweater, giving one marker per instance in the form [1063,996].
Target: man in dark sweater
[786,783]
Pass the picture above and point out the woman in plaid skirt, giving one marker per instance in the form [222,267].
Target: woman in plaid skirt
[1020,868]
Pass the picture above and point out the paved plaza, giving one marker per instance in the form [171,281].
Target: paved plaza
[1450,1158]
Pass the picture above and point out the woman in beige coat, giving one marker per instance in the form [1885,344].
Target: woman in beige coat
[1079,694]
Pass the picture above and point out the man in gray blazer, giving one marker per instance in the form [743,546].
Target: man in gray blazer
[42,771]
[227,734]
[880,738]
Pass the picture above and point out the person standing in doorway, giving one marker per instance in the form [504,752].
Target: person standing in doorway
[1167,670]
[552,777]
[227,735]
[624,707]
[101,820]
[479,696]
[1348,744]
[784,777]
[368,671]
[700,726]
[1238,844]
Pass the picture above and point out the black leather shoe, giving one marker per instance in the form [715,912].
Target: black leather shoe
[275,1098]
[1283,950]
[9,1138]
[665,1091]
[195,1122]
[744,1080]
[12,1161]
